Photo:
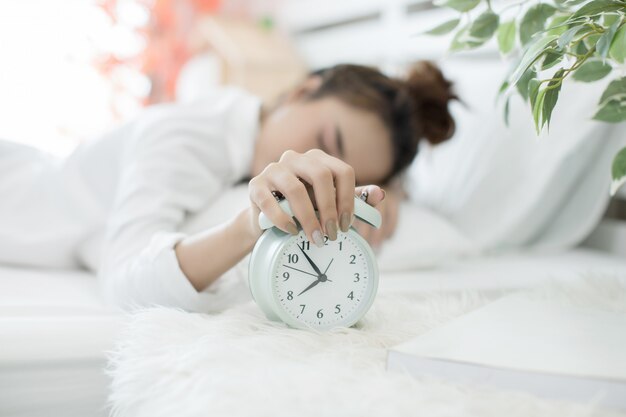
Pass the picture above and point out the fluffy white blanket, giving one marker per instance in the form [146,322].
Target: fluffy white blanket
[237,363]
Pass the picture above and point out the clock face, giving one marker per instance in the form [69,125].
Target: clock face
[324,287]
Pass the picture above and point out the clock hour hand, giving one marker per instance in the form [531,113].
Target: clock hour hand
[313,284]
[315,268]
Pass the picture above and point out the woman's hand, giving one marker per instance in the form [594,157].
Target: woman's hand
[309,181]
[388,204]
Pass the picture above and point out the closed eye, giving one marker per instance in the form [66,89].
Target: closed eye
[320,143]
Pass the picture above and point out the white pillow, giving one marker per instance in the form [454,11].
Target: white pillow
[231,202]
[505,187]
[422,239]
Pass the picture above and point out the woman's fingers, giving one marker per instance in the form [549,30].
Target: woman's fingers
[296,193]
[321,179]
[344,178]
[261,196]
[375,194]
[332,182]
[375,198]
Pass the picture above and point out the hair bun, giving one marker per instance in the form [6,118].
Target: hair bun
[431,92]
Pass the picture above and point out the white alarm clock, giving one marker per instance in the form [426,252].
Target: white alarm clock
[293,280]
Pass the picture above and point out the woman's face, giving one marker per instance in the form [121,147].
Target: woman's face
[353,135]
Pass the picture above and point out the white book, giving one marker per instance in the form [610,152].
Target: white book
[545,348]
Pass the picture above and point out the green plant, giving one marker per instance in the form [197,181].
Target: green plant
[584,39]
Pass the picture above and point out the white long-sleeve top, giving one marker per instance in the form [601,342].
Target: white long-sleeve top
[117,204]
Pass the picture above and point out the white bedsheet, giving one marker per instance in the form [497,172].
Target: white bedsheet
[55,331]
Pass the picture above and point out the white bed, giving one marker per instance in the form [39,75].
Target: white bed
[55,331]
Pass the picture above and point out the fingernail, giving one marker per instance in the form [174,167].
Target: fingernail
[292,228]
[344,222]
[384,193]
[331,229]
[317,238]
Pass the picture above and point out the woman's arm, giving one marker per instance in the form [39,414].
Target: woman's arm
[206,256]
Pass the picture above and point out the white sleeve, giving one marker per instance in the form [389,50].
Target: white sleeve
[165,175]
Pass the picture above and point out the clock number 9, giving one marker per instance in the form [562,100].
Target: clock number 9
[286,276]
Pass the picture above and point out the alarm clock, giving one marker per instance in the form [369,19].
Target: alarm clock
[308,287]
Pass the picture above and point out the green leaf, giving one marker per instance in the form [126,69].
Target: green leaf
[551,59]
[616,89]
[534,21]
[591,40]
[506,37]
[503,87]
[613,102]
[443,28]
[556,26]
[459,5]
[551,97]
[537,108]
[595,7]
[462,41]
[533,51]
[568,35]
[617,51]
[613,111]
[604,43]
[618,171]
[484,26]
[580,48]
[506,111]
[592,71]
[609,18]
[522,85]
[533,89]
[570,3]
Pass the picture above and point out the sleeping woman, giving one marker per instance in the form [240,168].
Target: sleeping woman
[116,204]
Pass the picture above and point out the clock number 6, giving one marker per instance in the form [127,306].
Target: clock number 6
[320,314]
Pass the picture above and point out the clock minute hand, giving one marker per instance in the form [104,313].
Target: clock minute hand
[300,270]
[315,268]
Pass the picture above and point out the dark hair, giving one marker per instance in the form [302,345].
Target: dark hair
[412,108]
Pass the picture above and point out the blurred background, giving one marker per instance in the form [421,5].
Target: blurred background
[71,69]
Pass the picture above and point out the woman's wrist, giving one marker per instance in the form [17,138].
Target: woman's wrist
[246,226]
[205,256]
